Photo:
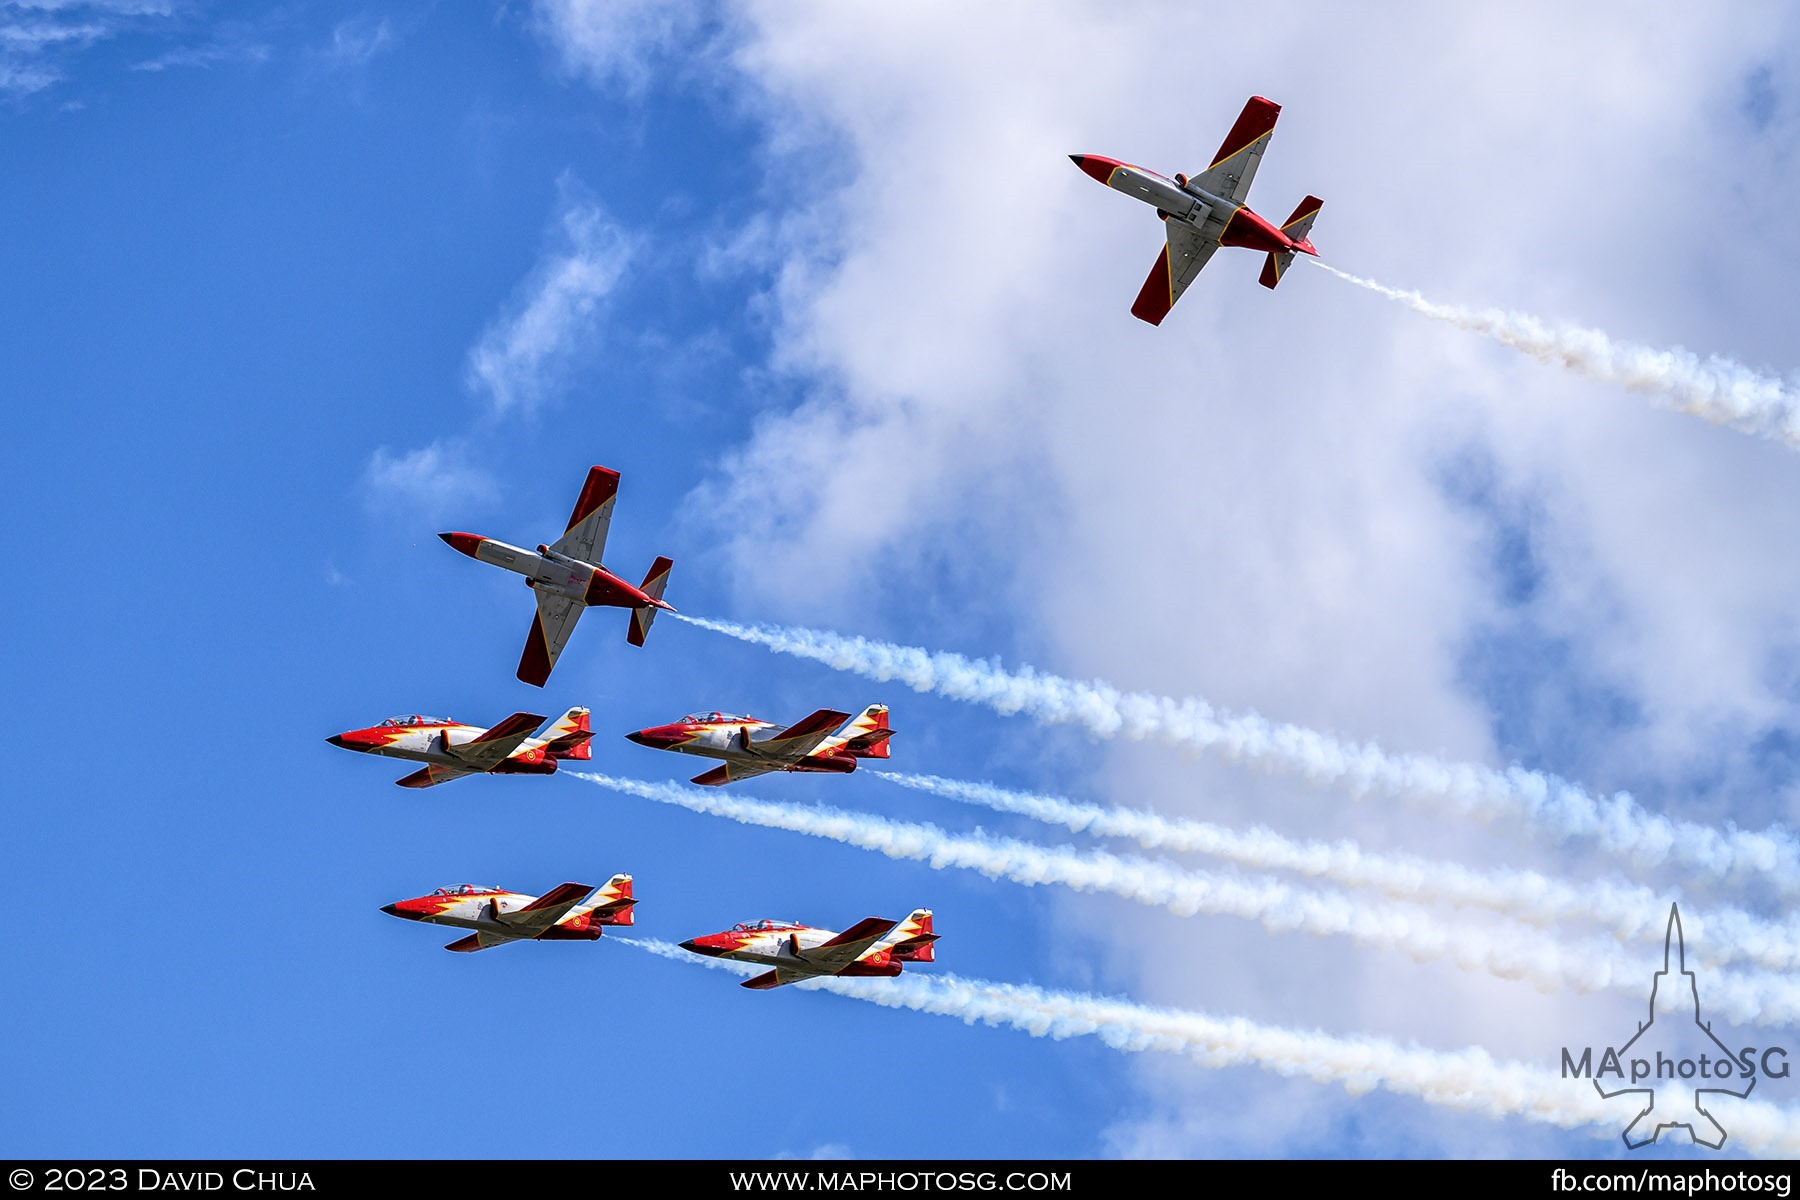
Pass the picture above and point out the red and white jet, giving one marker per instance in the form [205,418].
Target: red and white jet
[752,747]
[567,577]
[872,946]
[1208,211]
[451,750]
[569,912]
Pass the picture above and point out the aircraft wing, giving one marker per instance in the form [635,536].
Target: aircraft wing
[550,630]
[479,941]
[776,978]
[585,538]
[732,772]
[496,745]
[1181,260]
[801,739]
[1234,166]
[433,775]
[847,946]
[546,910]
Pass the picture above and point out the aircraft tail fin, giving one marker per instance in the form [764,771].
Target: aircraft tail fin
[868,734]
[1298,226]
[653,586]
[570,735]
[613,902]
[913,938]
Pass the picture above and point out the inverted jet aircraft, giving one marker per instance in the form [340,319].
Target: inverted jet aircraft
[450,749]
[1208,211]
[752,747]
[566,577]
[872,946]
[569,912]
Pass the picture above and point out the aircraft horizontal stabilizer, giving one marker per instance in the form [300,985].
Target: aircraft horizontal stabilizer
[1299,224]
[653,585]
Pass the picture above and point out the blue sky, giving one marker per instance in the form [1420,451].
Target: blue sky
[288,293]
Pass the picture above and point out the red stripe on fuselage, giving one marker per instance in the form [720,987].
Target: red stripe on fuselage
[1245,228]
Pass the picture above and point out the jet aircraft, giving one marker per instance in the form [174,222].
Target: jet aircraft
[753,747]
[1208,211]
[567,912]
[872,946]
[566,577]
[450,749]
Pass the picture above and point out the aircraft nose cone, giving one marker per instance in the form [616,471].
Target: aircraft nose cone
[464,543]
[392,910]
[337,739]
[641,740]
[689,945]
[1097,168]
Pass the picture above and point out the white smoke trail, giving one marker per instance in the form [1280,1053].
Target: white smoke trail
[1627,910]
[1468,1080]
[1714,389]
[1616,823]
[1279,907]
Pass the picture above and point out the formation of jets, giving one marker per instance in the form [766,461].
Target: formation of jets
[566,577]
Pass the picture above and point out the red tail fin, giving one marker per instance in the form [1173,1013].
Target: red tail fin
[572,738]
[870,739]
[654,582]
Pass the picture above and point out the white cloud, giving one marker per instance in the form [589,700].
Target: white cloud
[435,480]
[523,357]
[210,55]
[616,40]
[39,37]
[356,40]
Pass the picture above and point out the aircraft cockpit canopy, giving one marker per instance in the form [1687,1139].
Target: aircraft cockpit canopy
[762,926]
[717,718]
[414,719]
[465,889]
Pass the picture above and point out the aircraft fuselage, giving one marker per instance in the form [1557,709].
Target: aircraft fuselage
[544,569]
[736,743]
[1217,219]
[431,744]
[778,948]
